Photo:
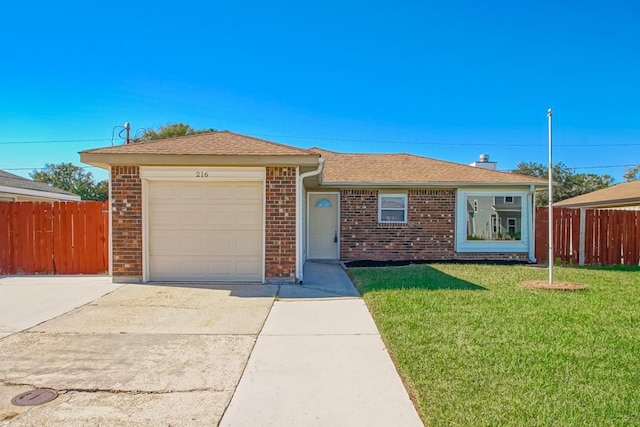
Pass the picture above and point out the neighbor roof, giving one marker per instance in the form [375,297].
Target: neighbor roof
[403,169]
[14,181]
[222,143]
[627,193]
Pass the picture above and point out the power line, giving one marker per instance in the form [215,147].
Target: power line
[317,138]
[53,141]
[30,169]
[480,144]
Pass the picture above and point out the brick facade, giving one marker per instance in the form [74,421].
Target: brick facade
[280,224]
[428,234]
[126,225]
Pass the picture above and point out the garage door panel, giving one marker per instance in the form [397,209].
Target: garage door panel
[249,268]
[249,193]
[204,268]
[219,192]
[248,243]
[205,231]
[217,218]
[176,217]
[249,218]
[177,191]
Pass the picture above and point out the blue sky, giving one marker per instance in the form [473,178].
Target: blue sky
[448,80]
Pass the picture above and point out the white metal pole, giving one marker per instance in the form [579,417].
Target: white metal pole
[551,259]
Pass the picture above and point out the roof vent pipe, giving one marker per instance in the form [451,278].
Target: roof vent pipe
[484,158]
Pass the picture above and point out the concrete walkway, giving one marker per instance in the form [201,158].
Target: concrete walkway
[320,362]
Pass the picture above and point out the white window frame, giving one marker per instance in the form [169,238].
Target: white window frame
[509,202]
[515,225]
[464,245]
[405,209]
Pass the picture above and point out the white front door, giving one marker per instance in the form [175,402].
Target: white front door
[323,226]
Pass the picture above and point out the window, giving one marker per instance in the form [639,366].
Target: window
[494,218]
[392,208]
[501,224]
[323,203]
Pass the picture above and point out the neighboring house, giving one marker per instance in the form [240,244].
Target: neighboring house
[619,196]
[14,188]
[226,207]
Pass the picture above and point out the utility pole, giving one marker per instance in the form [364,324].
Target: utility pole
[127,127]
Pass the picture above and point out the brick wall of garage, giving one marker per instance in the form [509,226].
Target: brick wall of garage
[429,233]
[126,224]
[280,224]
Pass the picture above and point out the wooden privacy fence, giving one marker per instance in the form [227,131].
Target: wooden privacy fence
[54,237]
[589,236]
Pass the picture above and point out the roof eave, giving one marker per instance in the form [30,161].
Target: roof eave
[628,201]
[39,193]
[104,160]
[430,184]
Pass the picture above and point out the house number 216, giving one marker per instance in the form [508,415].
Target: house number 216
[202,174]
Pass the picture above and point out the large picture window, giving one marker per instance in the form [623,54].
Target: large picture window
[392,208]
[494,218]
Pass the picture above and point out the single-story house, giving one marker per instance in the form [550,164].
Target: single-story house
[221,206]
[620,196]
[14,188]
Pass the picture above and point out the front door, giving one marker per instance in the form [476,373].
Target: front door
[323,226]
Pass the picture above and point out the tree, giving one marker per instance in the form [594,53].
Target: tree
[171,131]
[72,178]
[567,183]
[632,174]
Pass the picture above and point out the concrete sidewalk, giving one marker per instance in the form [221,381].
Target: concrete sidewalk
[26,301]
[320,363]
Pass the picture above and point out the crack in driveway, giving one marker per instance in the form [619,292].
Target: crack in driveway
[113,390]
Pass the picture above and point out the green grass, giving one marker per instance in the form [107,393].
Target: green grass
[475,348]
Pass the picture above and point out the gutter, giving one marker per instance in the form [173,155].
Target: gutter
[299,219]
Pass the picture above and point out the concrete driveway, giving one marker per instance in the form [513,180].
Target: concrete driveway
[141,355]
[26,301]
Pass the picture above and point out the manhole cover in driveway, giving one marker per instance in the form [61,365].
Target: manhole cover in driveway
[35,397]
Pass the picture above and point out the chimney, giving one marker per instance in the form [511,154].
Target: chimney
[484,163]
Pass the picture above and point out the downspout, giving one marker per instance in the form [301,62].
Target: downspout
[299,219]
[532,226]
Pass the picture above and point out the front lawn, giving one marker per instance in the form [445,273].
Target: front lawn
[475,348]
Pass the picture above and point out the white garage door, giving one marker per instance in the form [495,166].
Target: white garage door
[205,231]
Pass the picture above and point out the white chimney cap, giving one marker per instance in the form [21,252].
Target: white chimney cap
[484,158]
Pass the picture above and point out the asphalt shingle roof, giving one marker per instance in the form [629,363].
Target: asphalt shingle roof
[626,192]
[10,180]
[223,143]
[344,168]
[407,169]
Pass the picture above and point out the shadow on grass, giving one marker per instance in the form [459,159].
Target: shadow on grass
[409,277]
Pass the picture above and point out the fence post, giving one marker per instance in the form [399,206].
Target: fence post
[582,233]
